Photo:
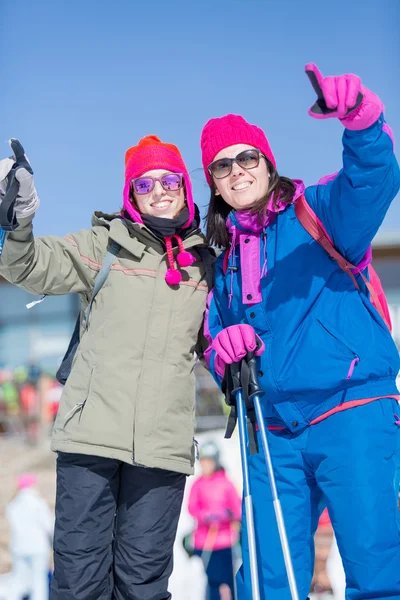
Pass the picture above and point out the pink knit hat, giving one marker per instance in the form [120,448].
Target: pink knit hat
[227,131]
[26,480]
[151,153]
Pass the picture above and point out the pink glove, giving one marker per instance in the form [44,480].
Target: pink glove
[217,517]
[345,98]
[233,343]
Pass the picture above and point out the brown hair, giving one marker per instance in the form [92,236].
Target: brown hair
[217,234]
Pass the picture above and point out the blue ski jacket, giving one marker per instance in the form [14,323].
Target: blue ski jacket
[326,347]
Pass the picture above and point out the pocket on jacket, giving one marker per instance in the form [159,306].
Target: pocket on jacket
[347,346]
[319,359]
[388,419]
[174,422]
[354,357]
[71,416]
[74,410]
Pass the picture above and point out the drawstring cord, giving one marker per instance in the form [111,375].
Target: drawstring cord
[232,267]
[184,259]
[264,269]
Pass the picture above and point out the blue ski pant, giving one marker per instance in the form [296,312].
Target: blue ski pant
[350,463]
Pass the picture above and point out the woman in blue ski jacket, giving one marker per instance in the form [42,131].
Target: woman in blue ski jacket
[326,359]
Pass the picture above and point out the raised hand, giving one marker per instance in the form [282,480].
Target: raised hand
[343,97]
[17,190]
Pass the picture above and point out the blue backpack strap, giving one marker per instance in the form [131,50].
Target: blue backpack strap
[101,277]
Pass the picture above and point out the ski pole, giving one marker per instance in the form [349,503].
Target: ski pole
[209,541]
[8,221]
[248,501]
[255,393]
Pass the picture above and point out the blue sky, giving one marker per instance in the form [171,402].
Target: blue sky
[83,81]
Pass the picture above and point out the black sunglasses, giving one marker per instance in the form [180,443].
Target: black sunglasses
[248,159]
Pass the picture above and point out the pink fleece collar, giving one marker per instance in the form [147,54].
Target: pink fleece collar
[249,221]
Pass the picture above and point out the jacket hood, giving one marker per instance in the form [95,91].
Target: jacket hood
[102,219]
[139,236]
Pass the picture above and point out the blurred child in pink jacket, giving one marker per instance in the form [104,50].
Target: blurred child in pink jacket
[215,503]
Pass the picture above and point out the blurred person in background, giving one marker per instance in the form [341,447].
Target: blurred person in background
[323,538]
[10,396]
[335,572]
[52,397]
[215,504]
[31,528]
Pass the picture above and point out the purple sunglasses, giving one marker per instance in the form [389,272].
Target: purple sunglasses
[171,182]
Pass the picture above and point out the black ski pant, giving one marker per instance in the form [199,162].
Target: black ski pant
[115,529]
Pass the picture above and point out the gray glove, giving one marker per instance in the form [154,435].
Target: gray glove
[27,200]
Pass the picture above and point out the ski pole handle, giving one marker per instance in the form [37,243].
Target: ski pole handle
[8,220]
[254,384]
[236,379]
[320,106]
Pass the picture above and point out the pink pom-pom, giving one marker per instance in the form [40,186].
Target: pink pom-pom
[185,259]
[173,277]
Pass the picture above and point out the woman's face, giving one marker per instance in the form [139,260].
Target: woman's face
[242,188]
[159,202]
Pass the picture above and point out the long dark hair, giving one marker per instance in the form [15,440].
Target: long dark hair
[217,234]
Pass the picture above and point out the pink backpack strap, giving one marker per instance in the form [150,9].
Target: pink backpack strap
[225,262]
[377,286]
[313,225]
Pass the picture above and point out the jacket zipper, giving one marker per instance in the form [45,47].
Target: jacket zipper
[353,365]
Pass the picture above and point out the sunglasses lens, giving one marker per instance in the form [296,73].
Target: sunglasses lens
[171,182]
[248,159]
[221,168]
[143,185]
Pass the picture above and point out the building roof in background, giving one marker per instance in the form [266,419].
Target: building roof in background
[386,245]
[386,239]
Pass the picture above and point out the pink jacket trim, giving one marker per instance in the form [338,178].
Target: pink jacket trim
[348,405]
[387,129]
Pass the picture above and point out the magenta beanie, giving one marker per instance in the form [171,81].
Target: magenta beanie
[151,153]
[227,131]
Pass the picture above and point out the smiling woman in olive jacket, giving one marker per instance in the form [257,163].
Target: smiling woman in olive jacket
[124,430]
